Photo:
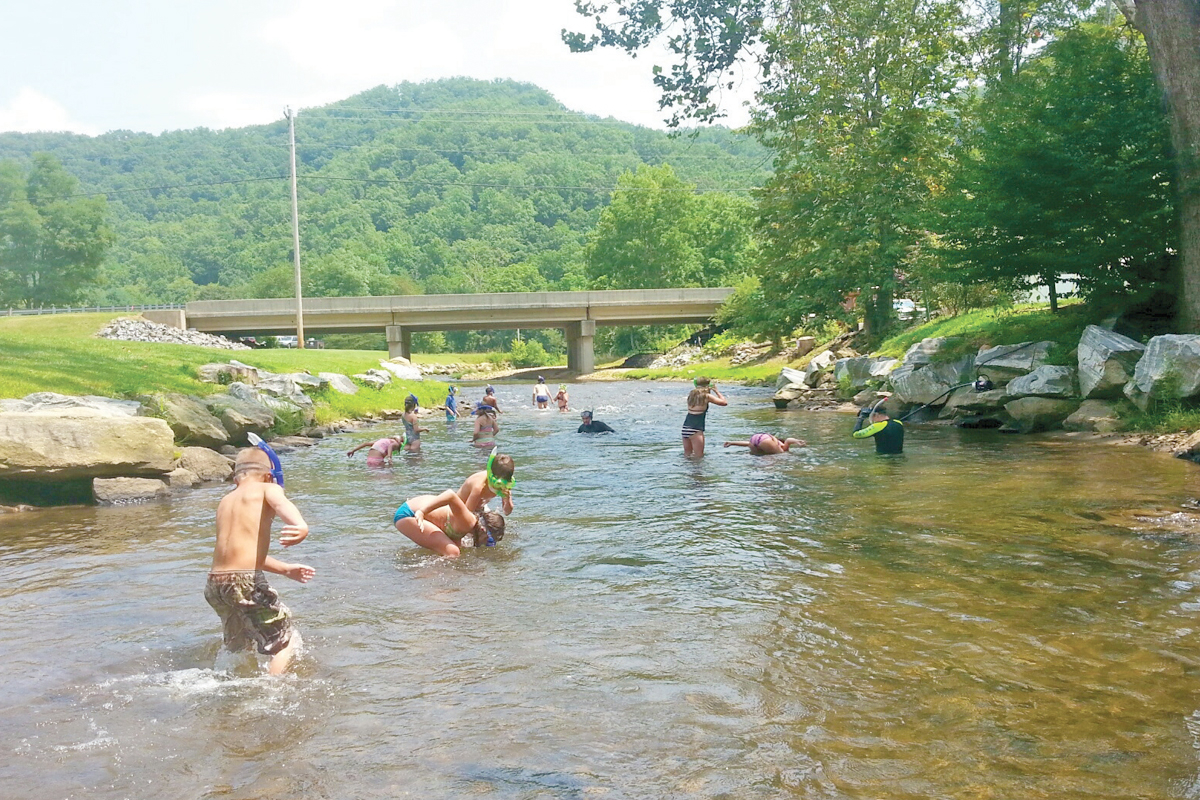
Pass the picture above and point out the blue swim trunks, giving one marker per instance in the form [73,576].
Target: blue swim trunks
[402,512]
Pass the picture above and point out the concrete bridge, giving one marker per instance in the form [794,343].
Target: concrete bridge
[577,313]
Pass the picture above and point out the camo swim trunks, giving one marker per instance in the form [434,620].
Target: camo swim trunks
[250,610]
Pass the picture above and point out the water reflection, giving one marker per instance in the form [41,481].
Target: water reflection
[984,617]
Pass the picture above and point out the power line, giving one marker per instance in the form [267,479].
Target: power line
[615,154]
[551,121]
[416,182]
[520,187]
[177,186]
[449,111]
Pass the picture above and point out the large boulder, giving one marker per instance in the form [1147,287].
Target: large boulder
[925,351]
[373,380]
[927,383]
[966,401]
[1046,381]
[1095,415]
[82,443]
[1004,362]
[853,372]
[883,366]
[128,490]
[205,464]
[339,382]
[1106,361]
[862,371]
[285,387]
[234,371]
[1033,414]
[789,376]
[804,346]
[402,369]
[307,381]
[1168,370]
[240,417]
[53,401]
[188,417]
[180,478]
[817,366]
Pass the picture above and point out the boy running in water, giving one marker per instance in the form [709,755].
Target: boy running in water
[237,589]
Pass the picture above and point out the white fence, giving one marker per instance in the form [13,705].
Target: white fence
[23,312]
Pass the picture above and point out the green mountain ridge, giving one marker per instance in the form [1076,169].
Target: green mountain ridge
[447,186]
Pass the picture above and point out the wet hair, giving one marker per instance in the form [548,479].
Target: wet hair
[503,466]
[411,402]
[250,460]
[493,521]
[699,394]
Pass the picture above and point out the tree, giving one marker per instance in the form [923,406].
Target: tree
[51,241]
[1068,172]
[858,108]
[1172,31]
[643,239]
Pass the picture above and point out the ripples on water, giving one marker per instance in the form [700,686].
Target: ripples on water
[982,617]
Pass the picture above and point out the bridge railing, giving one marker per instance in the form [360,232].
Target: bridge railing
[25,312]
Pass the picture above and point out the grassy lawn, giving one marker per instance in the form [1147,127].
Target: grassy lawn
[458,358]
[717,369]
[987,327]
[60,353]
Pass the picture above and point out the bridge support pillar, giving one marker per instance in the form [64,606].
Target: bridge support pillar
[581,356]
[399,341]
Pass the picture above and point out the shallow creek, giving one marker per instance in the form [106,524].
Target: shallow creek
[983,617]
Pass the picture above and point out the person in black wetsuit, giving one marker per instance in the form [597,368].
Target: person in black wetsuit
[887,432]
[592,426]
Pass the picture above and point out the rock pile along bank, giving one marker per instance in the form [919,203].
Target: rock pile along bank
[58,448]
[1011,386]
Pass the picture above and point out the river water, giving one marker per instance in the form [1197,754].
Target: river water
[983,617]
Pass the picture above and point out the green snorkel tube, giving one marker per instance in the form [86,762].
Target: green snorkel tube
[276,467]
[498,485]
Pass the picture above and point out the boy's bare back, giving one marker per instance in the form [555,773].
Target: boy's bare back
[244,519]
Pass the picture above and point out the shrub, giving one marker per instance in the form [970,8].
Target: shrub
[528,353]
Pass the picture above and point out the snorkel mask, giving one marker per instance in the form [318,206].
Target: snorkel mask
[412,398]
[453,390]
[562,387]
[498,485]
[276,467]
[490,541]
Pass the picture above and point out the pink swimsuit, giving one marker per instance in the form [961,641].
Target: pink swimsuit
[380,451]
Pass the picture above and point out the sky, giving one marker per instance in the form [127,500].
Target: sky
[149,65]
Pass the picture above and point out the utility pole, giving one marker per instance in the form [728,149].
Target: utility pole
[291,118]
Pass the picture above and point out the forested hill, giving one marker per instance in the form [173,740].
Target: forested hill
[448,186]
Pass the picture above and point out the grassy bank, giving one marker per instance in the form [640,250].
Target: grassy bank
[993,326]
[759,372]
[60,353]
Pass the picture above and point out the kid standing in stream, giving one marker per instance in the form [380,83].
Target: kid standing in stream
[412,425]
[237,588]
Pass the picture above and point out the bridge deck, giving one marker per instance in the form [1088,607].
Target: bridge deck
[459,311]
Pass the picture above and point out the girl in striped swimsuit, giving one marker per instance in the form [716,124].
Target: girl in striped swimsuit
[702,395]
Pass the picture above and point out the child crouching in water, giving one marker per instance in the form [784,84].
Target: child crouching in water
[237,589]
[445,525]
